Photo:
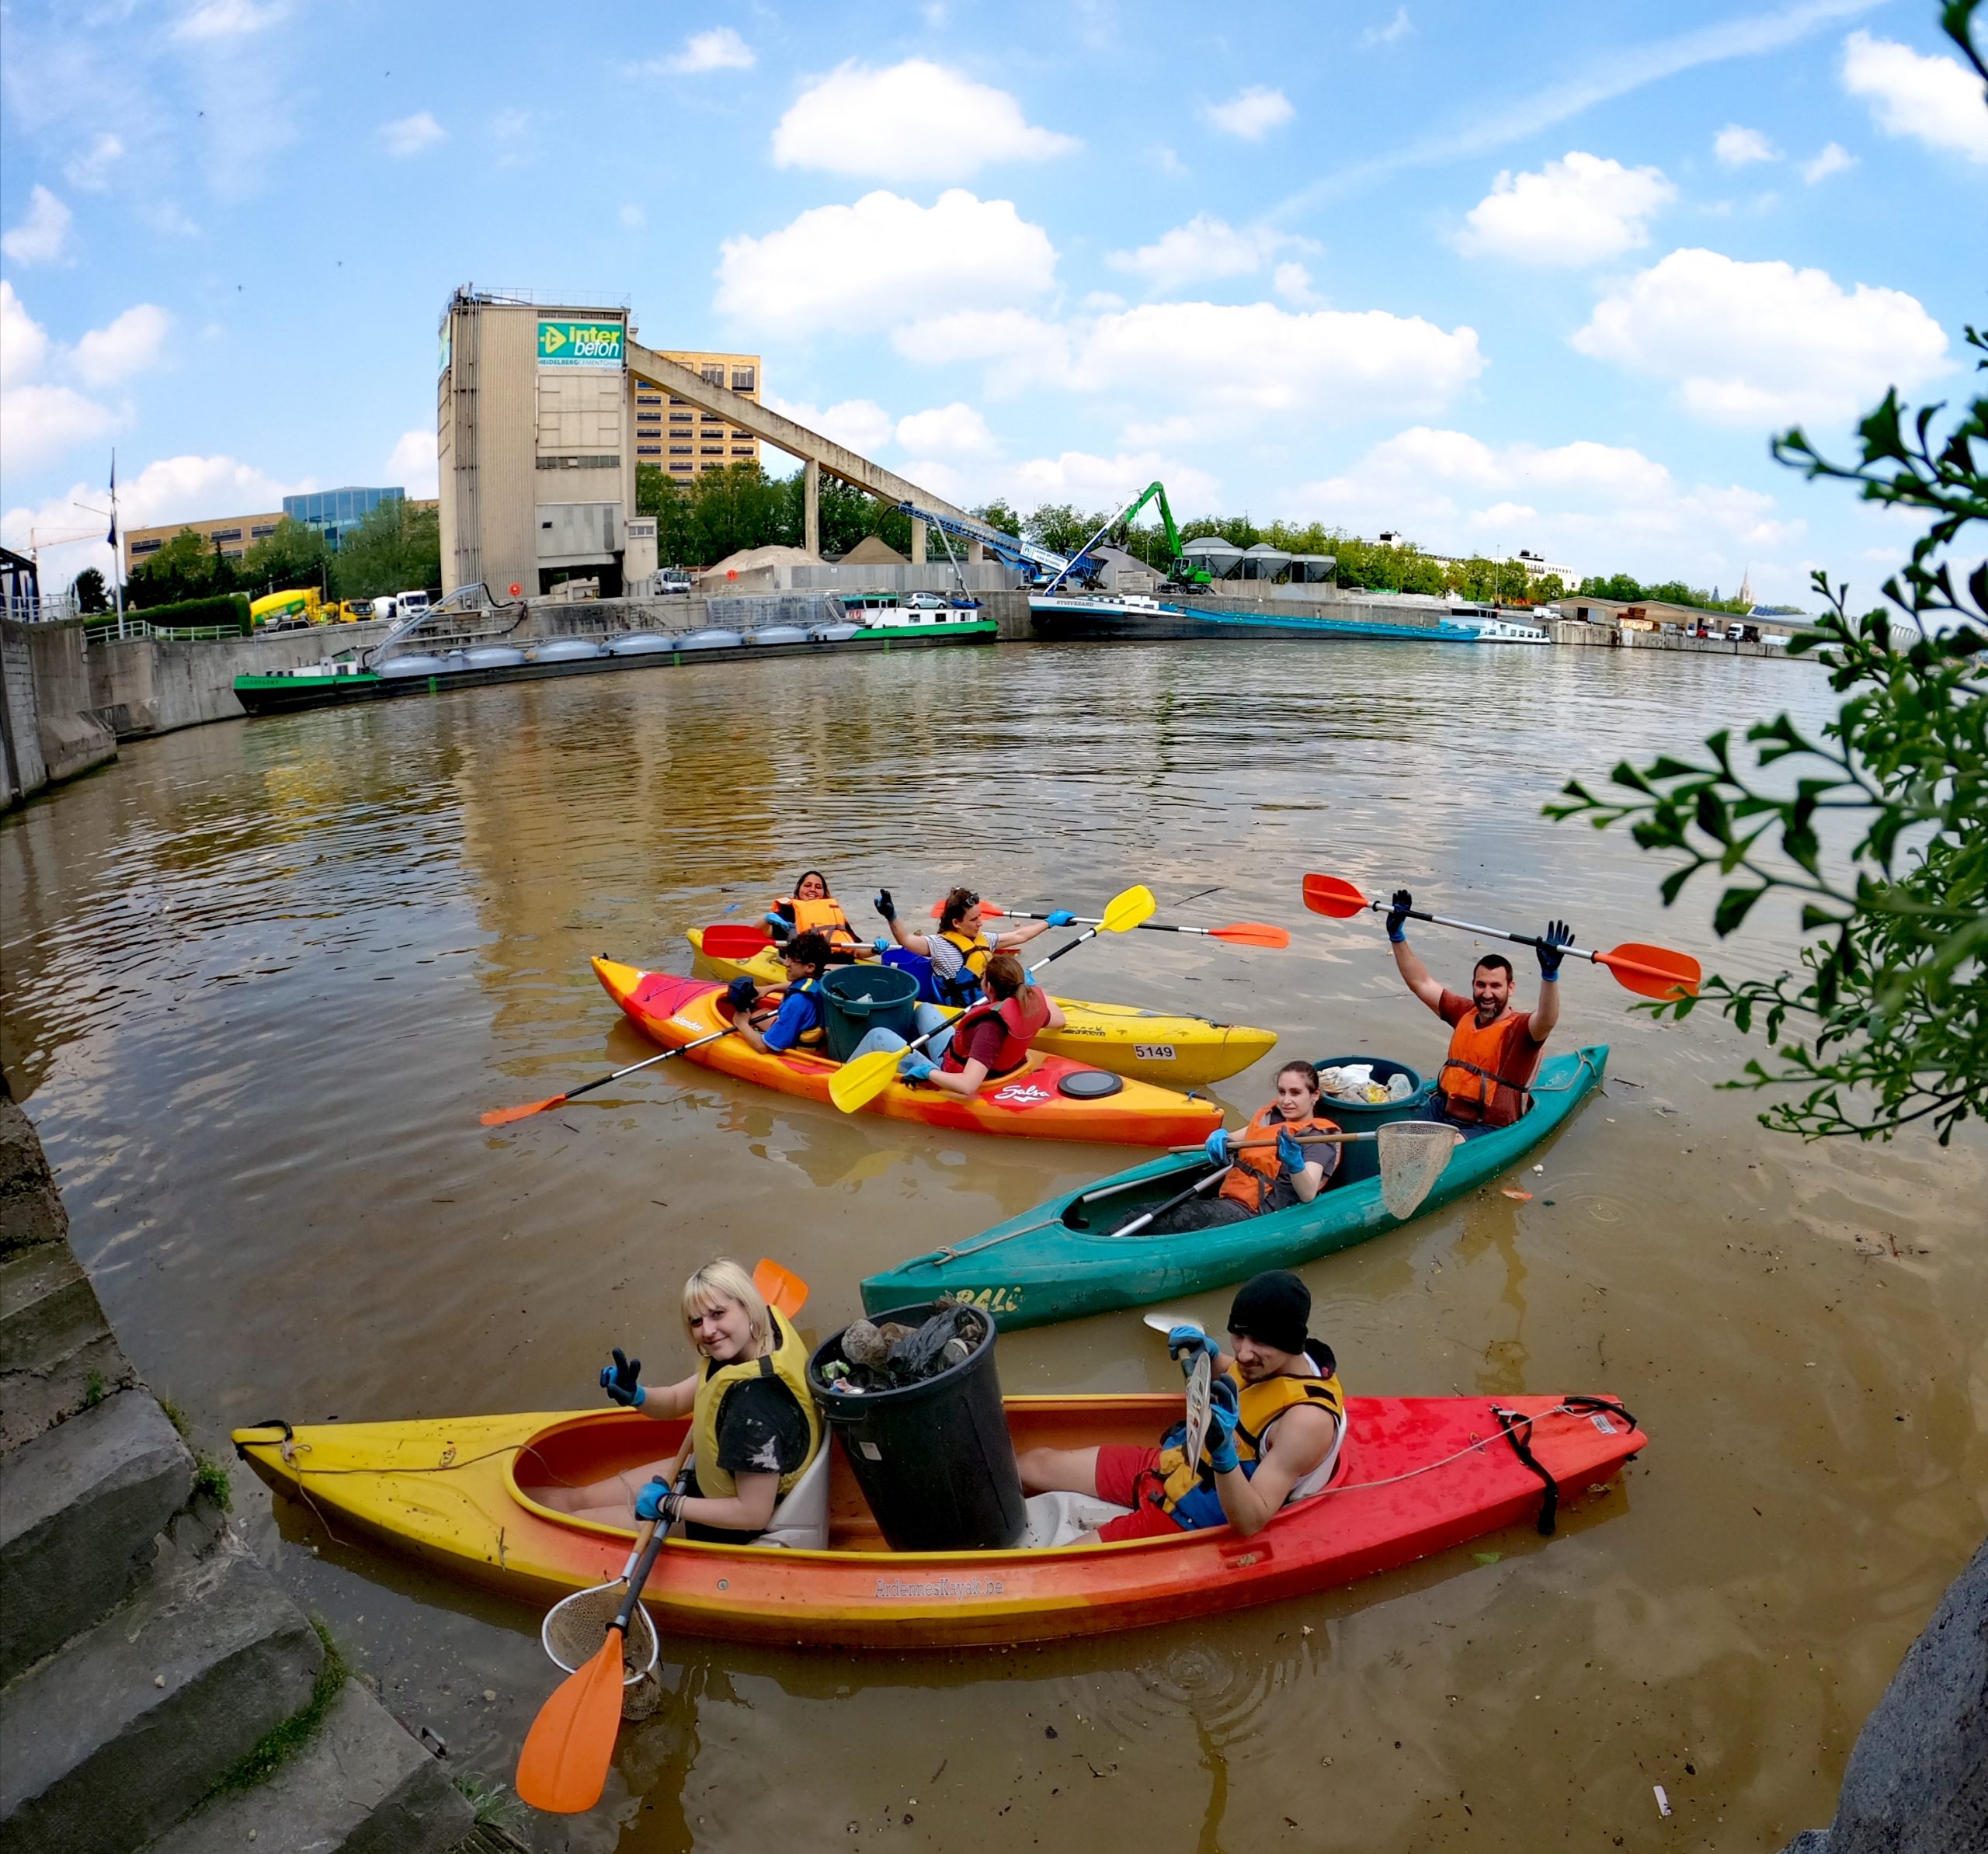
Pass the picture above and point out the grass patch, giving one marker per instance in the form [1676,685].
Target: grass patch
[283,1742]
[93,1391]
[494,1805]
[210,1478]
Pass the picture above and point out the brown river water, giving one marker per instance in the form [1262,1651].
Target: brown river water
[277,1178]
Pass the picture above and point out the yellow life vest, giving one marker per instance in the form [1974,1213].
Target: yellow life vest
[1261,1405]
[787,1362]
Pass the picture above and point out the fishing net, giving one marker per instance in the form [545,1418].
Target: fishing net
[1412,1154]
[574,1629]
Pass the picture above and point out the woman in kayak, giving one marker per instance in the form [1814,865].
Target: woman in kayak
[1268,1169]
[753,1426]
[811,908]
[990,1040]
[956,954]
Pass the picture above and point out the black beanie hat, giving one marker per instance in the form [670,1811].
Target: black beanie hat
[1272,1308]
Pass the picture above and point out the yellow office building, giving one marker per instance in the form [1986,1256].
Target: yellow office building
[678,438]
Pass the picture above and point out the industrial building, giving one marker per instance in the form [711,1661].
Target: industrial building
[333,512]
[544,409]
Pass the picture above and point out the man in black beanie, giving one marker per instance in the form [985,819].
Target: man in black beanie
[1276,1417]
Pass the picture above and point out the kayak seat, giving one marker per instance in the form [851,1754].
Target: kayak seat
[800,1521]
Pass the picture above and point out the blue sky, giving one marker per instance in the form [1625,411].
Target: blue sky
[1497,277]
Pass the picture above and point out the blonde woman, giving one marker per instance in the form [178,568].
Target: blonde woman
[754,1430]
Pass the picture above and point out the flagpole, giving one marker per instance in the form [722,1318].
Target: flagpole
[116,556]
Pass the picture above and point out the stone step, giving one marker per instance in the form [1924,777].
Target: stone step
[107,1744]
[81,1509]
[57,1350]
[361,1786]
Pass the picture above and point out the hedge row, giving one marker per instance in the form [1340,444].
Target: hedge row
[229,608]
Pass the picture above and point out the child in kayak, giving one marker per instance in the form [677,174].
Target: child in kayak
[1276,1418]
[796,1021]
[810,908]
[1268,1169]
[754,1425]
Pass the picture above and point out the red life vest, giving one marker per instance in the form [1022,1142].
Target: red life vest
[1256,1172]
[1019,1027]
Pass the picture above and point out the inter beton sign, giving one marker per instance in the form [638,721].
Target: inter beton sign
[579,344]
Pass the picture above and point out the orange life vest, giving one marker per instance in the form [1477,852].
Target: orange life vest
[1019,1025]
[824,917]
[1470,1081]
[1257,1172]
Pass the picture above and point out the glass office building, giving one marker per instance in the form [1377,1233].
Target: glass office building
[333,511]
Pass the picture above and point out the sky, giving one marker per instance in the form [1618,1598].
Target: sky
[1494,278]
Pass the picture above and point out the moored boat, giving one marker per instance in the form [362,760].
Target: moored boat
[1169,1048]
[464,1494]
[1050,1098]
[1061,1261]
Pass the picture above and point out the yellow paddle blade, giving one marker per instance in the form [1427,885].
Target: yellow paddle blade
[1123,912]
[563,1768]
[857,1084]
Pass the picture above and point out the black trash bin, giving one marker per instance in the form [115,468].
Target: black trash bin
[934,1459]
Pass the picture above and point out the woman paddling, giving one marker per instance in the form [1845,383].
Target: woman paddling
[991,1041]
[948,964]
[811,908]
[1269,1170]
[754,1425]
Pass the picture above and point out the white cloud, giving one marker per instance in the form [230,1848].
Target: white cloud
[1936,99]
[1252,114]
[411,463]
[720,49]
[40,237]
[946,431]
[1203,248]
[89,167]
[228,19]
[869,265]
[1104,483]
[411,134]
[1735,147]
[632,217]
[24,343]
[131,345]
[1293,282]
[1835,158]
[44,422]
[1601,507]
[913,121]
[1578,210]
[1764,343]
[1016,347]
[1393,33]
[861,424]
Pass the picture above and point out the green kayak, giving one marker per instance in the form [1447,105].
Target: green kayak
[1060,1262]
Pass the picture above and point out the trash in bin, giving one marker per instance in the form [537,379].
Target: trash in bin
[889,1356]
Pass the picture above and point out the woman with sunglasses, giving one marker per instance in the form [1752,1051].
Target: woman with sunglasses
[954,960]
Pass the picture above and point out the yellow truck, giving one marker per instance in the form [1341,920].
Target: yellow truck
[285,611]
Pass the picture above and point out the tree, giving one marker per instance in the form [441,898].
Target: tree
[1549,587]
[1887,1021]
[997,514]
[187,567]
[293,554]
[89,593]
[1060,527]
[396,548]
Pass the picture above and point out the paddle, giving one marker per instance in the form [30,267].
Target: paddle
[563,1767]
[1193,1190]
[503,1116]
[857,1084]
[1237,933]
[1199,1383]
[781,1289]
[1650,971]
[734,939]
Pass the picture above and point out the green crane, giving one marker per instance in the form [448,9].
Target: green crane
[1182,571]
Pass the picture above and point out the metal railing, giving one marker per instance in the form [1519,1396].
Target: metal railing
[48,608]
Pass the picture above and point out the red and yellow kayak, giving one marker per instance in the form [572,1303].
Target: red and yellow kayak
[1047,1100]
[1417,1475]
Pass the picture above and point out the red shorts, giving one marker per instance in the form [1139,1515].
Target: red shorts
[1127,1474]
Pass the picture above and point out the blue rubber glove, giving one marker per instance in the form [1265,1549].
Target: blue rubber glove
[742,995]
[1217,1149]
[916,1067]
[1290,1154]
[656,1501]
[1223,1410]
[1398,915]
[885,906]
[1187,1343]
[883,943]
[1557,934]
[1061,917]
[777,920]
[622,1381]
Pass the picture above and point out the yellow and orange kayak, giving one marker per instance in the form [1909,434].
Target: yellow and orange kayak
[1052,1098]
[1170,1048]
[1417,1475]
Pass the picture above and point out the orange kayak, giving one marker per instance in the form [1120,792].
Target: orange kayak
[1417,1475]
[1052,1098]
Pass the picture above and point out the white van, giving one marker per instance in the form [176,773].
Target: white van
[411,603]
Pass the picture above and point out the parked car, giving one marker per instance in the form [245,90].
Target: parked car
[924,601]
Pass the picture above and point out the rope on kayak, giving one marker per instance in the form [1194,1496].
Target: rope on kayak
[1518,1430]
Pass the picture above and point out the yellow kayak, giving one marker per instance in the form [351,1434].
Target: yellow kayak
[1171,1049]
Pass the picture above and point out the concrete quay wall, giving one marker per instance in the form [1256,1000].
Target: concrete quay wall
[1609,636]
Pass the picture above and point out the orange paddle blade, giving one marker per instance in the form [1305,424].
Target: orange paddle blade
[1251,933]
[503,1116]
[781,1289]
[563,1768]
[1653,971]
[1329,895]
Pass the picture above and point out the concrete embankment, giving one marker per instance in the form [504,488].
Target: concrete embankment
[149,1666]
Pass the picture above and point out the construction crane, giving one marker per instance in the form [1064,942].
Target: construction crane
[1183,571]
[1011,548]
